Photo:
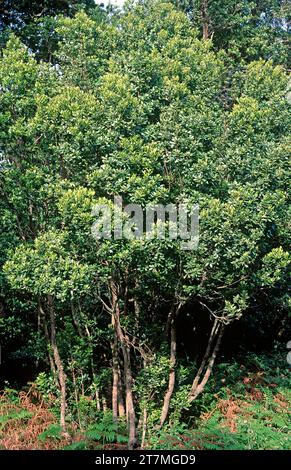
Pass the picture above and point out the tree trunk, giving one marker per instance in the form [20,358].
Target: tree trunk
[200,387]
[104,405]
[121,407]
[211,339]
[172,374]
[51,360]
[123,340]
[97,398]
[144,427]
[130,412]
[205,19]
[171,328]
[115,374]
[58,362]
[76,320]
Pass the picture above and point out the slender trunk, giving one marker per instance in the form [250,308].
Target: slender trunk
[76,320]
[205,19]
[136,308]
[200,387]
[211,339]
[115,374]
[104,405]
[171,328]
[121,407]
[144,427]
[130,412]
[58,362]
[172,374]
[123,340]
[97,397]
[82,382]
[51,360]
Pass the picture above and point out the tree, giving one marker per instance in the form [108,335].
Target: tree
[51,276]
[247,30]
[141,105]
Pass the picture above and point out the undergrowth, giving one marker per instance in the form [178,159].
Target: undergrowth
[245,406]
[24,416]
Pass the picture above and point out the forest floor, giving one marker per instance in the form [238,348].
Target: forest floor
[251,412]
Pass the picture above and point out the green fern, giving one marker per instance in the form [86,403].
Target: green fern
[105,431]
[14,415]
[52,432]
[80,445]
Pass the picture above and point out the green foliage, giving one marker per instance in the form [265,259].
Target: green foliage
[45,385]
[250,409]
[181,102]
[14,415]
[79,445]
[101,433]
[105,431]
[246,29]
[262,426]
[52,432]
